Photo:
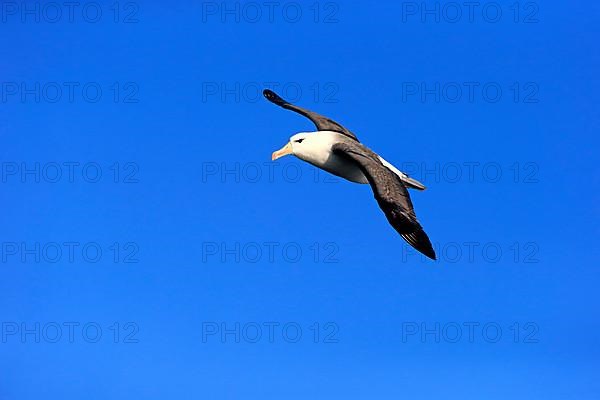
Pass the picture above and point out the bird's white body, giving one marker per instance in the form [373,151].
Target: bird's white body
[315,148]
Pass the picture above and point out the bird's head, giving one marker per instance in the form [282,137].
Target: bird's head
[299,145]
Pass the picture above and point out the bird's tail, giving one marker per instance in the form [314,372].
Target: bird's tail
[412,183]
[420,241]
[407,180]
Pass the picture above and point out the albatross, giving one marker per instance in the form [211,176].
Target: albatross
[337,150]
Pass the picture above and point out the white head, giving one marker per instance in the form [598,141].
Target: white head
[313,147]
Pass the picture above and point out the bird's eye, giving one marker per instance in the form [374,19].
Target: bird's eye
[298,140]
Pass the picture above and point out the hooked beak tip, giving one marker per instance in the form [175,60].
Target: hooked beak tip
[285,150]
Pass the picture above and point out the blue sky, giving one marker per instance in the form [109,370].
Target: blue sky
[151,249]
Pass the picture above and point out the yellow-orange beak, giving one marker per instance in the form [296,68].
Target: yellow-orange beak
[285,150]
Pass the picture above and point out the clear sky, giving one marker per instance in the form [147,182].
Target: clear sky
[150,248]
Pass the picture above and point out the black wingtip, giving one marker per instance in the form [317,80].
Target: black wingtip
[429,253]
[420,241]
[274,97]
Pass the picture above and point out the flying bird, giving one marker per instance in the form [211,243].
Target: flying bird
[335,149]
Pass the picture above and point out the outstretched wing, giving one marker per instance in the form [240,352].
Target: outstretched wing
[390,193]
[321,122]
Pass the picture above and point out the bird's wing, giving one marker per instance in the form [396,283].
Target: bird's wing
[321,122]
[390,193]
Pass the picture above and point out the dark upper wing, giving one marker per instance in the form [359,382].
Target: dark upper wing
[390,193]
[321,122]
